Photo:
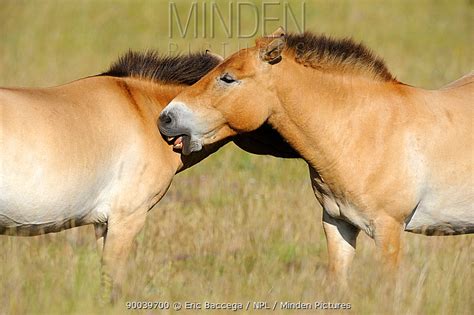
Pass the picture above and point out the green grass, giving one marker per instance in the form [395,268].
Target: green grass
[236,227]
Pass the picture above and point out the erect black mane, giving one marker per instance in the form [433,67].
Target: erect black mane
[181,69]
[321,51]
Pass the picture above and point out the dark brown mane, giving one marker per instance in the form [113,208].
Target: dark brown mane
[322,52]
[183,69]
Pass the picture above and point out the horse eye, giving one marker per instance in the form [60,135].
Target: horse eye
[227,78]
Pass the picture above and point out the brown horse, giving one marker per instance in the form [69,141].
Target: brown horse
[383,156]
[89,152]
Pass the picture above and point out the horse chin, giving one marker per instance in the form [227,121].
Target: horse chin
[191,144]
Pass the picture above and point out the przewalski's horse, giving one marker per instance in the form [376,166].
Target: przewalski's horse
[383,156]
[89,152]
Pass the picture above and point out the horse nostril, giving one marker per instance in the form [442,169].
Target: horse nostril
[165,119]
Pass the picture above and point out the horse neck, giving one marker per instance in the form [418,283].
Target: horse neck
[151,95]
[155,96]
[323,115]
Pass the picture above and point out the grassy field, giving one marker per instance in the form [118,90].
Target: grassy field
[236,227]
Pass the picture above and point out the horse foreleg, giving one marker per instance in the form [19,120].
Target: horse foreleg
[121,232]
[387,238]
[341,239]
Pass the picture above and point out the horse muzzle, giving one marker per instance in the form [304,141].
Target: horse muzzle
[176,120]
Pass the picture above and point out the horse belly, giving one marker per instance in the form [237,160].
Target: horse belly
[50,179]
[46,203]
[443,216]
[36,215]
[444,166]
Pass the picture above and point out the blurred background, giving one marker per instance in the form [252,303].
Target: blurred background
[236,227]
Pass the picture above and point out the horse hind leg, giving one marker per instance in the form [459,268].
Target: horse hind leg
[100,236]
[341,238]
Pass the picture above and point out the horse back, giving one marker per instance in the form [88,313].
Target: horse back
[468,79]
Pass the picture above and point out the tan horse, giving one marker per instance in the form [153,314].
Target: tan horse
[89,152]
[383,156]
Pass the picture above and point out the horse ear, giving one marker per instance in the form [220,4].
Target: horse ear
[271,49]
[218,57]
[279,32]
